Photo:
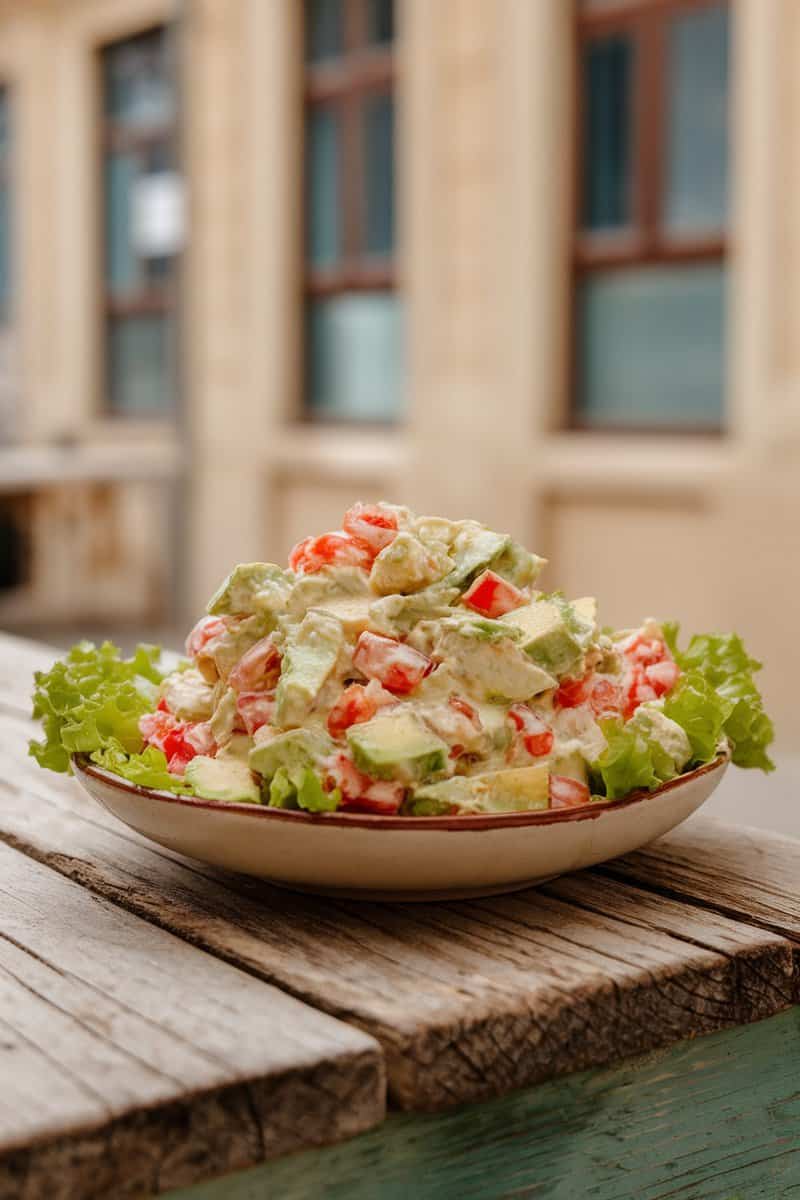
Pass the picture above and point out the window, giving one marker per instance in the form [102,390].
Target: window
[5,207]
[353,353]
[649,249]
[142,217]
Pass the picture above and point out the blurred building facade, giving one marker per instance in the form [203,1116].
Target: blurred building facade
[532,261]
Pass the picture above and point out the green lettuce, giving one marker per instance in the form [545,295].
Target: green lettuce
[630,760]
[727,669]
[148,769]
[698,708]
[301,787]
[92,701]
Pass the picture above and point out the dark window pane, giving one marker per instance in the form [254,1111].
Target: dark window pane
[324,29]
[138,81]
[322,187]
[650,346]
[139,364]
[122,267]
[380,21]
[697,145]
[608,70]
[354,357]
[379,174]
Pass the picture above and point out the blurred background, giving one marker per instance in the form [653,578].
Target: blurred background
[531,261]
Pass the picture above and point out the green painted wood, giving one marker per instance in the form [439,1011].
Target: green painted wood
[717,1118]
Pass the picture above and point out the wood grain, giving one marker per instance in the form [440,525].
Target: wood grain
[467,1000]
[132,1062]
[713,1119]
[731,868]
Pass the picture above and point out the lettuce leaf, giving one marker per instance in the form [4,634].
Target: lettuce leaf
[697,707]
[148,769]
[92,700]
[630,760]
[301,787]
[726,667]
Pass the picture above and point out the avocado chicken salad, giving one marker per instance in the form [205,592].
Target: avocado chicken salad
[406,665]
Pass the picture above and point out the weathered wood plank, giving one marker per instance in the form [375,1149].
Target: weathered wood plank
[467,999]
[19,658]
[132,1062]
[731,868]
[714,1119]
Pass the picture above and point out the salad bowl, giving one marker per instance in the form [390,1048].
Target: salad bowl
[400,858]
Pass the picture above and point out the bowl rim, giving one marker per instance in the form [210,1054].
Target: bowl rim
[353,820]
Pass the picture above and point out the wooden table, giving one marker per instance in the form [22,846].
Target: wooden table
[163,1024]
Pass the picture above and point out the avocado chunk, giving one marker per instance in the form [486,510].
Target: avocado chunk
[397,746]
[222,779]
[474,548]
[518,565]
[309,656]
[493,670]
[484,629]
[519,789]
[334,583]
[252,588]
[292,749]
[408,565]
[555,634]
[352,611]
[397,615]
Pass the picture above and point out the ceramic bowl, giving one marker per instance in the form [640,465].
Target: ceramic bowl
[405,858]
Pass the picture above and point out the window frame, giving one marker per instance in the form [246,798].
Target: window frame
[341,85]
[646,243]
[154,298]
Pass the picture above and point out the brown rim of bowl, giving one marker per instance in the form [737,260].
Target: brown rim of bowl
[474,821]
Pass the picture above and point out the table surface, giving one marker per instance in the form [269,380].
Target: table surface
[162,1022]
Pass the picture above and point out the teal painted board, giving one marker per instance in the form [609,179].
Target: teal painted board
[717,1118]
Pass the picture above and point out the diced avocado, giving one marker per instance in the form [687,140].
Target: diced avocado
[408,565]
[188,695]
[519,789]
[314,591]
[252,588]
[294,748]
[224,718]
[494,719]
[545,636]
[586,610]
[352,611]
[493,670]
[518,565]
[222,779]
[397,746]
[474,548]
[397,615]
[483,629]
[309,656]
[555,633]
[573,765]
[238,748]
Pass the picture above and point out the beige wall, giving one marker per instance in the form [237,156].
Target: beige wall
[98,519]
[705,529]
